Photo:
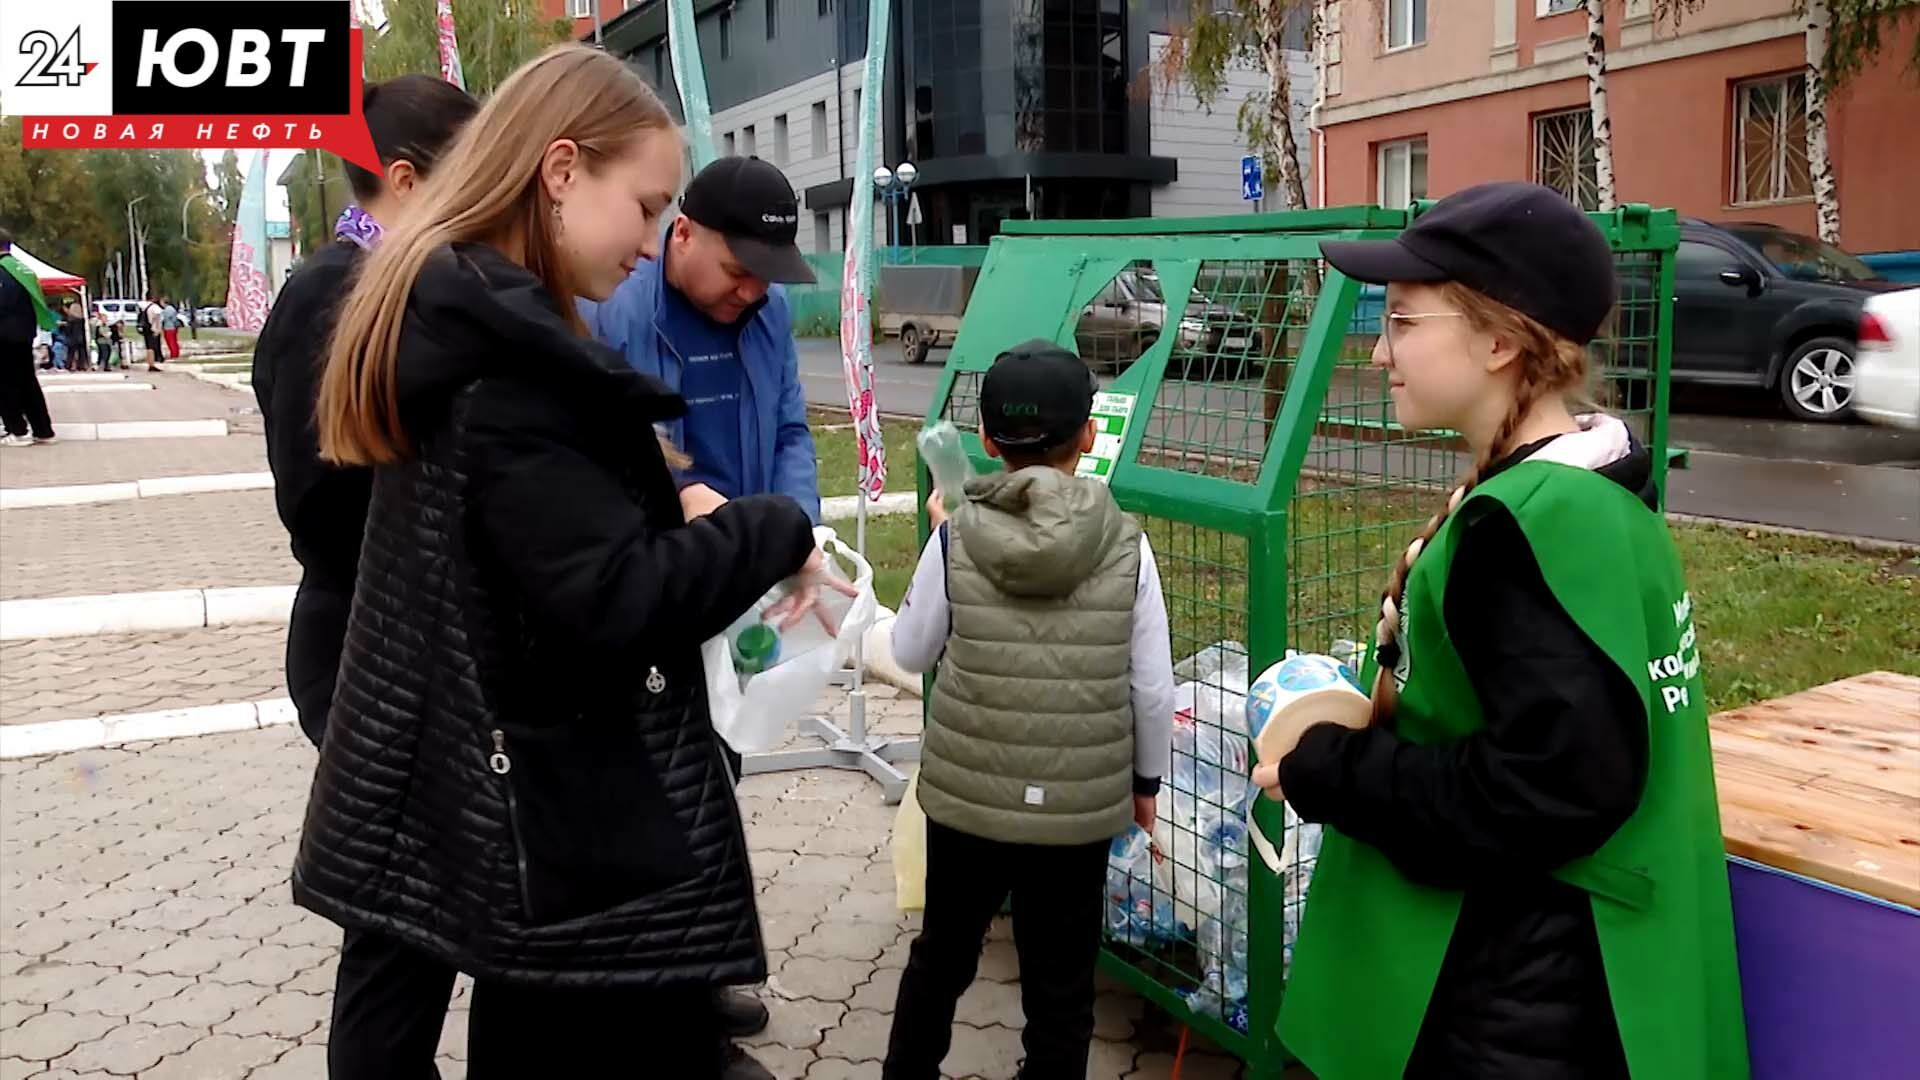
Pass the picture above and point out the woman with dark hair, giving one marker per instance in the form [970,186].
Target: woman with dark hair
[390,1001]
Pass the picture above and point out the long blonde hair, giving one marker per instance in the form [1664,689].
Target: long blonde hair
[1548,364]
[487,188]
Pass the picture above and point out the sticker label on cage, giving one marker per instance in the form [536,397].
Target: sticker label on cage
[1110,415]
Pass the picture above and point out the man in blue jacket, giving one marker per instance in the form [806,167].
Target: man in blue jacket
[708,319]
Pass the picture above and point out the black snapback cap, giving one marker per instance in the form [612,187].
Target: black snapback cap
[749,202]
[1035,397]
[1521,244]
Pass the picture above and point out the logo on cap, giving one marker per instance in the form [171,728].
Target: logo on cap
[780,219]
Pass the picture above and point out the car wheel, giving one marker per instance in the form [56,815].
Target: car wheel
[1816,383]
[911,348]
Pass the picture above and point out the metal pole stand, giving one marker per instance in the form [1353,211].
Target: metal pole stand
[853,749]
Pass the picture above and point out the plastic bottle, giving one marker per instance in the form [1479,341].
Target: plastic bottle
[756,647]
[946,459]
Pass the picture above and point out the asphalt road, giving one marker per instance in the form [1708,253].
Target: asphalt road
[1747,463]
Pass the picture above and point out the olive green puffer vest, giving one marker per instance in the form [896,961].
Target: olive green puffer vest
[1030,733]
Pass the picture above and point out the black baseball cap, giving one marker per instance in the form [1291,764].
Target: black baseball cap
[750,203]
[1035,397]
[1521,244]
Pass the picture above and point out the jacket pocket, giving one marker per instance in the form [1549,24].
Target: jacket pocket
[592,826]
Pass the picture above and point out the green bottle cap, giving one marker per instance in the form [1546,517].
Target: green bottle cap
[756,647]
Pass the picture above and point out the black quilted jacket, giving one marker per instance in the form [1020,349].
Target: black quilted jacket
[519,775]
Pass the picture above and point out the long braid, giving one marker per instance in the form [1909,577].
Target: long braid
[1548,364]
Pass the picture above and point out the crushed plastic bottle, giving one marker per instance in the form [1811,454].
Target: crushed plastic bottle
[946,459]
[1136,913]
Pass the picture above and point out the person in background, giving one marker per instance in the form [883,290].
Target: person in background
[1051,721]
[73,335]
[151,314]
[519,776]
[23,314]
[707,319]
[170,328]
[103,338]
[389,1000]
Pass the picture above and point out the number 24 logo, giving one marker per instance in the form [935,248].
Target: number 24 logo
[55,63]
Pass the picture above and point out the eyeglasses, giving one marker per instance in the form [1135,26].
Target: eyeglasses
[1399,322]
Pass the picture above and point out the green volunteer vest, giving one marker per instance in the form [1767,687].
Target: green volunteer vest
[1029,736]
[1371,942]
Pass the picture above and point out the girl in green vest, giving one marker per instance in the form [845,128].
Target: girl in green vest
[1523,874]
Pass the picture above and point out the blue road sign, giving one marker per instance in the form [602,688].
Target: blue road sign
[1250,188]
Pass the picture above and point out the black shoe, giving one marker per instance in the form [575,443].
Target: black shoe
[741,1066]
[741,1013]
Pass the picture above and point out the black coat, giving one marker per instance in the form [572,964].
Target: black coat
[519,775]
[323,507]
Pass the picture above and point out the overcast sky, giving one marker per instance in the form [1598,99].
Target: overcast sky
[276,161]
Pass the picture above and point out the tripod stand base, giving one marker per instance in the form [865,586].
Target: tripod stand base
[856,751]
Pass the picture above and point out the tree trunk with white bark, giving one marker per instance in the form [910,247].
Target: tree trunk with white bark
[1597,103]
[1826,193]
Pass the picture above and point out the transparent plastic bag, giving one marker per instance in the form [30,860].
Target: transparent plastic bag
[753,709]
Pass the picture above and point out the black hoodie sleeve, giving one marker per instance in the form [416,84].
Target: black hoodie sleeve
[613,574]
[324,507]
[1557,769]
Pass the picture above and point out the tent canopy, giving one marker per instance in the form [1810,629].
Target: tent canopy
[52,279]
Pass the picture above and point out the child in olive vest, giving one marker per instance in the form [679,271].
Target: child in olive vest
[1524,874]
[1051,719]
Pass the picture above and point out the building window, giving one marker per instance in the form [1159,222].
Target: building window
[773,19]
[780,140]
[822,232]
[1406,23]
[1770,141]
[659,67]
[826,8]
[726,34]
[1564,158]
[580,9]
[819,119]
[1403,172]
[1557,7]
[726,145]
[749,142]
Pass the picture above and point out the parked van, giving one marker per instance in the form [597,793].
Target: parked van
[123,311]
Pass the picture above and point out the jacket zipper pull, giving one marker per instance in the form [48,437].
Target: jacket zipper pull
[498,761]
[656,682]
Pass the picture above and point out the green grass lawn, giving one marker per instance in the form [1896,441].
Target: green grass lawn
[1776,614]
[839,468]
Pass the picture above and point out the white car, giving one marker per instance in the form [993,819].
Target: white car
[1886,373]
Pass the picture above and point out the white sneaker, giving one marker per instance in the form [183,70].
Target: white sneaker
[48,441]
[16,440]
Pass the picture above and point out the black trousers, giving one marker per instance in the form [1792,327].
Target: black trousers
[390,1003]
[1057,897]
[23,408]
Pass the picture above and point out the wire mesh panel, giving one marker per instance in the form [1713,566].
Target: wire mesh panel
[1263,460]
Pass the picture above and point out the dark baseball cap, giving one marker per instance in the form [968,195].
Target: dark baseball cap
[750,203]
[1521,244]
[1035,397]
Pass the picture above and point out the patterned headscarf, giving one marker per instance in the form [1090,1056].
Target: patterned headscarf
[358,226]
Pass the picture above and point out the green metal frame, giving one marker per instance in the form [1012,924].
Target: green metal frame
[1314,529]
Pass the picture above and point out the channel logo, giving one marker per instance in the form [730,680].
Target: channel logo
[163,74]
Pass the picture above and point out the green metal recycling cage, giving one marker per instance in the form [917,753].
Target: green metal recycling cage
[1246,428]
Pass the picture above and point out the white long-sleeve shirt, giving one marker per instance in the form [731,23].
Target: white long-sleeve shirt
[920,636]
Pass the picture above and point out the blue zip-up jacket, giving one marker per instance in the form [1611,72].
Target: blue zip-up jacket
[629,321]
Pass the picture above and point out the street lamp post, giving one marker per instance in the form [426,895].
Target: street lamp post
[193,314]
[895,186]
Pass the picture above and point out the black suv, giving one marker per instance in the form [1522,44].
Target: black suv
[1757,305]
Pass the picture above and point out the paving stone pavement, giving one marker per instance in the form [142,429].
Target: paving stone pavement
[146,928]
[175,542]
[58,678]
[176,396]
[122,460]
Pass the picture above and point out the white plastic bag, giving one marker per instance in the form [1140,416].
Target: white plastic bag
[754,713]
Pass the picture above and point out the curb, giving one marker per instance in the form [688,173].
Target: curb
[227,380]
[143,429]
[94,732]
[844,507]
[70,378]
[129,613]
[94,387]
[1860,543]
[82,494]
